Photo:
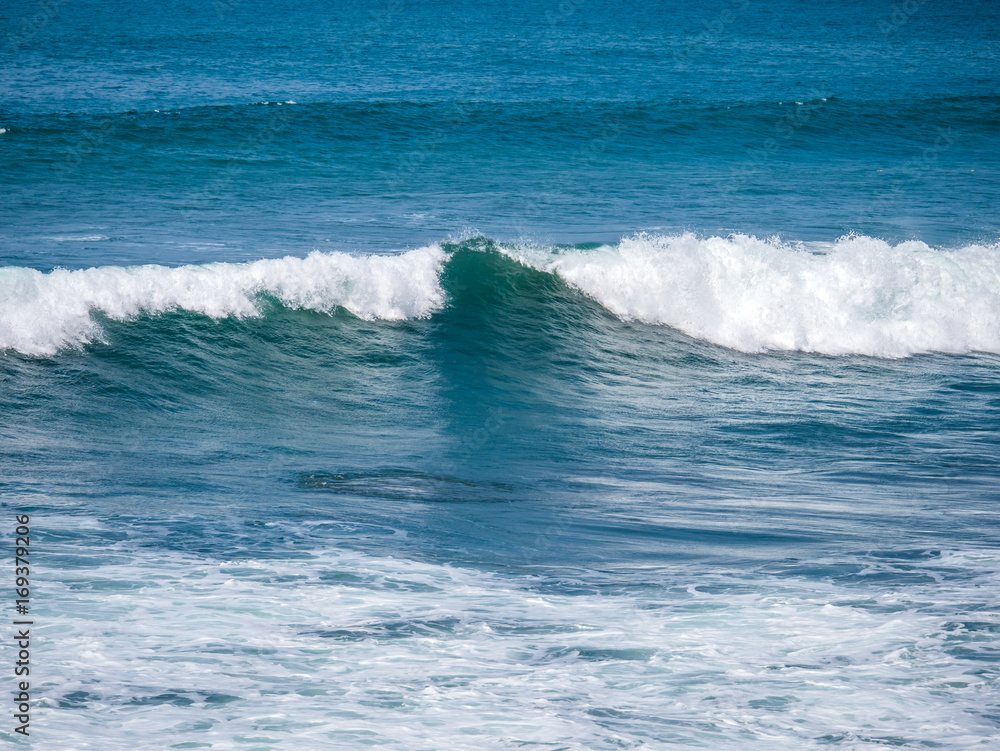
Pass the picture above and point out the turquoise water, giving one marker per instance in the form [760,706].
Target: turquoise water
[541,375]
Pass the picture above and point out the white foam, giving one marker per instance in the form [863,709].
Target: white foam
[78,238]
[859,295]
[345,650]
[41,313]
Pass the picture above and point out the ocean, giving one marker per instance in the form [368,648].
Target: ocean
[550,374]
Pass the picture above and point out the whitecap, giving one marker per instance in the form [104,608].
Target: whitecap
[41,313]
[859,295]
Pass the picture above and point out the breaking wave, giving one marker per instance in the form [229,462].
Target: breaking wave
[42,313]
[857,296]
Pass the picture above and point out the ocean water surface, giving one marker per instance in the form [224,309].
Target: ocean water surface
[535,375]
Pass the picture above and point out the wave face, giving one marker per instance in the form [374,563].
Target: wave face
[858,296]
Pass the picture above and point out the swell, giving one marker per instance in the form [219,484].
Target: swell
[814,110]
[858,296]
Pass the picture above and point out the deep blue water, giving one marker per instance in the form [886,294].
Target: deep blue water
[555,375]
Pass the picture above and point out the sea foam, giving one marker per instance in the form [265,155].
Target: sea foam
[859,295]
[41,313]
[188,648]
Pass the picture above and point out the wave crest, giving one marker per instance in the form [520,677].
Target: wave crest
[858,296]
[42,313]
